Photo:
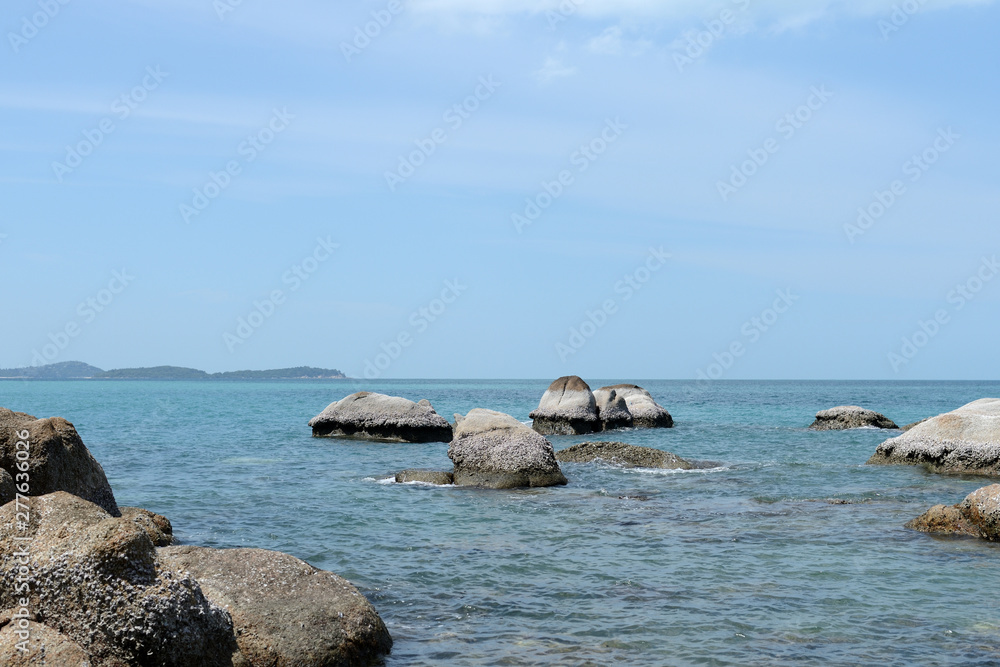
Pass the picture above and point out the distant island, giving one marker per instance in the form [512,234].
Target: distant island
[77,370]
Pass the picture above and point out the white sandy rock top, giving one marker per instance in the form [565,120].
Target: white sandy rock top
[567,398]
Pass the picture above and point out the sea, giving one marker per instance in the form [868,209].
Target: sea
[784,548]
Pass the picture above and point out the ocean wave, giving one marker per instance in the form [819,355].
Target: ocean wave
[676,471]
[388,481]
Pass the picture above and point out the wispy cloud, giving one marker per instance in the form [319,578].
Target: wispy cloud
[553,69]
[613,43]
[781,12]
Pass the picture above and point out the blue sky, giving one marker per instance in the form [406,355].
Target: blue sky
[274,188]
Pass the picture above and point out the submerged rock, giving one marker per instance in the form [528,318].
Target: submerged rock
[849,416]
[97,579]
[966,440]
[437,477]
[646,413]
[58,460]
[978,515]
[630,456]
[157,526]
[567,408]
[285,611]
[909,426]
[373,416]
[494,450]
[612,409]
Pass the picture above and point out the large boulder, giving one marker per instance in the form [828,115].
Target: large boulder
[57,458]
[567,408]
[286,613]
[966,440]
[379,417]
[612,409]
[849,416]
[97,580]
[978,515]
[494,450]
[619,453]
[646,413]
[44,645]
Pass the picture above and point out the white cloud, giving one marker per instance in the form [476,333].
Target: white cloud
[611,43]
[553,69]
[608,42]
[781,12]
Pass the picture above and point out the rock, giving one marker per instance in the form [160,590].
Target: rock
[977,515]
[7,488]
[612,409]
[567,408]
[494,450]
[849,416]
[45,647]
[58,459]
[646,413]
[964,441]
[285,612]
[426,476]
[909,426]
[157,526]
[97,579]
[379,417]
[629,456]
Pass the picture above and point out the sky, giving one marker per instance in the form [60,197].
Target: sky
[745,189]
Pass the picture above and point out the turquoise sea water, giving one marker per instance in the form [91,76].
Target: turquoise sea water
[744,563]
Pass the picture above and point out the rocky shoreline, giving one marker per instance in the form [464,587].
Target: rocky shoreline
[105,586]
[92,583]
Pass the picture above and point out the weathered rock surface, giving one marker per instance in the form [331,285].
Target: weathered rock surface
[849,416]
[7,488]
[426,476]
[646,413]
[59,461]
[45,646]
[630,456]
[909,426]
[286,613]
[96,579]
[494,450]
[978,515]
[379,417]
[567,408]
[157,526]
[612,409]
[966,440]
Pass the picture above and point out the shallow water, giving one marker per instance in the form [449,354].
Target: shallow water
[748,562]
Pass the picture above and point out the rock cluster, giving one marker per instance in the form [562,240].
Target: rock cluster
[103,589]
[569,407]
[97,580]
